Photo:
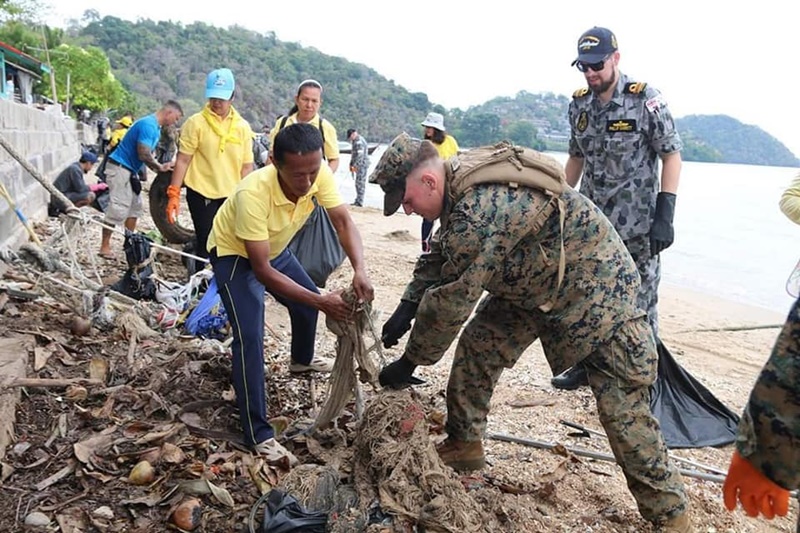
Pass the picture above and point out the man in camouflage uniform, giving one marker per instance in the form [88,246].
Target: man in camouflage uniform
[766,461]
[359,163]
[620,130]
[554,269]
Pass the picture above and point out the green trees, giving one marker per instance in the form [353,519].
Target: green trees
[91,83]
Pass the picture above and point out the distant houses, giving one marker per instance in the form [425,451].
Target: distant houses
[18,73]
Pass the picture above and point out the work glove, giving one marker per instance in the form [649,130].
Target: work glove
[756,492]
[661,232]
[173,203]
[398,374]
[398,323]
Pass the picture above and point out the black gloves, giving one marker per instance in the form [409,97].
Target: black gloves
[661,232]
[398,374]
[398,323]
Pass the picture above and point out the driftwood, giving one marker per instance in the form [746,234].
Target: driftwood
[47,383]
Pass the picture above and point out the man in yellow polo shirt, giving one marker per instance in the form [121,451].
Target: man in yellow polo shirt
[306,109]
[248,250]
[215,153]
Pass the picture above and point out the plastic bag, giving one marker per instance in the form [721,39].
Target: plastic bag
[284,514]
[689,414]
[317,246]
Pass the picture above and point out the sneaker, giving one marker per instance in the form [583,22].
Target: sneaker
[462,456]
[318,364]
[274,452]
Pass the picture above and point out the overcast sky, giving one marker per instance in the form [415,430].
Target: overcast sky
[706,57]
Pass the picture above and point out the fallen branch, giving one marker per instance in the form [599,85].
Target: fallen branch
[58,476]
[47,383]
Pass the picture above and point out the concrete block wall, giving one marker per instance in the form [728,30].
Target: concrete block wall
[49,142]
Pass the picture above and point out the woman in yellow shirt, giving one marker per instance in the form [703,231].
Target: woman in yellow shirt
[214,154]
[447,147]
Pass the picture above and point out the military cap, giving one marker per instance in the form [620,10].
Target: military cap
[393,168]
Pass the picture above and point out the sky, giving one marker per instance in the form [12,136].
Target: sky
[705,56]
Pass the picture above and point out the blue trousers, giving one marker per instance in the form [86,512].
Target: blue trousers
[243,297]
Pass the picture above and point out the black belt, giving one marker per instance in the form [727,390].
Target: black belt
[112,162]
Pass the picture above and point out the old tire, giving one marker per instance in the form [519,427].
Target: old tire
[174,233]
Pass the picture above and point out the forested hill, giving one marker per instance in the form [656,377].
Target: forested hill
[162,60]
[156,61]
[734,142]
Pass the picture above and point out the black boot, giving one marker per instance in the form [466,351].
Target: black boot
[571,379]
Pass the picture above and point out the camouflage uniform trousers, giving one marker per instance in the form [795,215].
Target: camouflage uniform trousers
[620,375]
[361,182]
[649,268]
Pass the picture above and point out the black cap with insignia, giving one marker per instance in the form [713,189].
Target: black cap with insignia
[595,45]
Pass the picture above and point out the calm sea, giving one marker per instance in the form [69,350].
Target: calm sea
[731,239]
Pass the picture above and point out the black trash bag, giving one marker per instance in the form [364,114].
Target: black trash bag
[136,282]
[284,514]
[101,200]
[689,414]
[317,246]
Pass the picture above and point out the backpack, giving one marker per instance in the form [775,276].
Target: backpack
[514,165]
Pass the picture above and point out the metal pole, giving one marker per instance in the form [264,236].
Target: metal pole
[69,94]
[544,445]
[50,65]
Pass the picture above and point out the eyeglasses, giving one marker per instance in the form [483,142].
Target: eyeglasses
[594,67]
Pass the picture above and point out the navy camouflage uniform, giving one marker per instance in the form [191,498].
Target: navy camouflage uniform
[487,242]
[359,158]
[620,143]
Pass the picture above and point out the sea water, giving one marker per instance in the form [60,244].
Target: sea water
[731,239]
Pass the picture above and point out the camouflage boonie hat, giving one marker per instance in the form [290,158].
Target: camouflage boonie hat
[392,170]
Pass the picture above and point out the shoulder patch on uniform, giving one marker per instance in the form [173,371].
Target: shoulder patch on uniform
[580,93]
[635,87]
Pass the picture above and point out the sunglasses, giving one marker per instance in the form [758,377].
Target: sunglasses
[594,67]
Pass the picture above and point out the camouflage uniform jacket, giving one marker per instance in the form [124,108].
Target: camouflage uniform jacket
[487,243]
[620,143]
[359,156]
[769,430]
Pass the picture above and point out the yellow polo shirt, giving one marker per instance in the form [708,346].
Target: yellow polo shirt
[214,173]
[448,148]
[331,147]
[259,211]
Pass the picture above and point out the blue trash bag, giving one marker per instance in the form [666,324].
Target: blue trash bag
[208,318]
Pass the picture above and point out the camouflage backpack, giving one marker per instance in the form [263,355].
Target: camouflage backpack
[516,166]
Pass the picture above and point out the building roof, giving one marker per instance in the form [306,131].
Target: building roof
[23,61]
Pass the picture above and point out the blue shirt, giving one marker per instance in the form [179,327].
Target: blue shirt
[144,131]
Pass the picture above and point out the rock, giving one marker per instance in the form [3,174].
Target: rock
[37,519]
[104,512]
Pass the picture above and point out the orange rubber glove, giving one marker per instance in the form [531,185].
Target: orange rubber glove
[756,492]
[173,203]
